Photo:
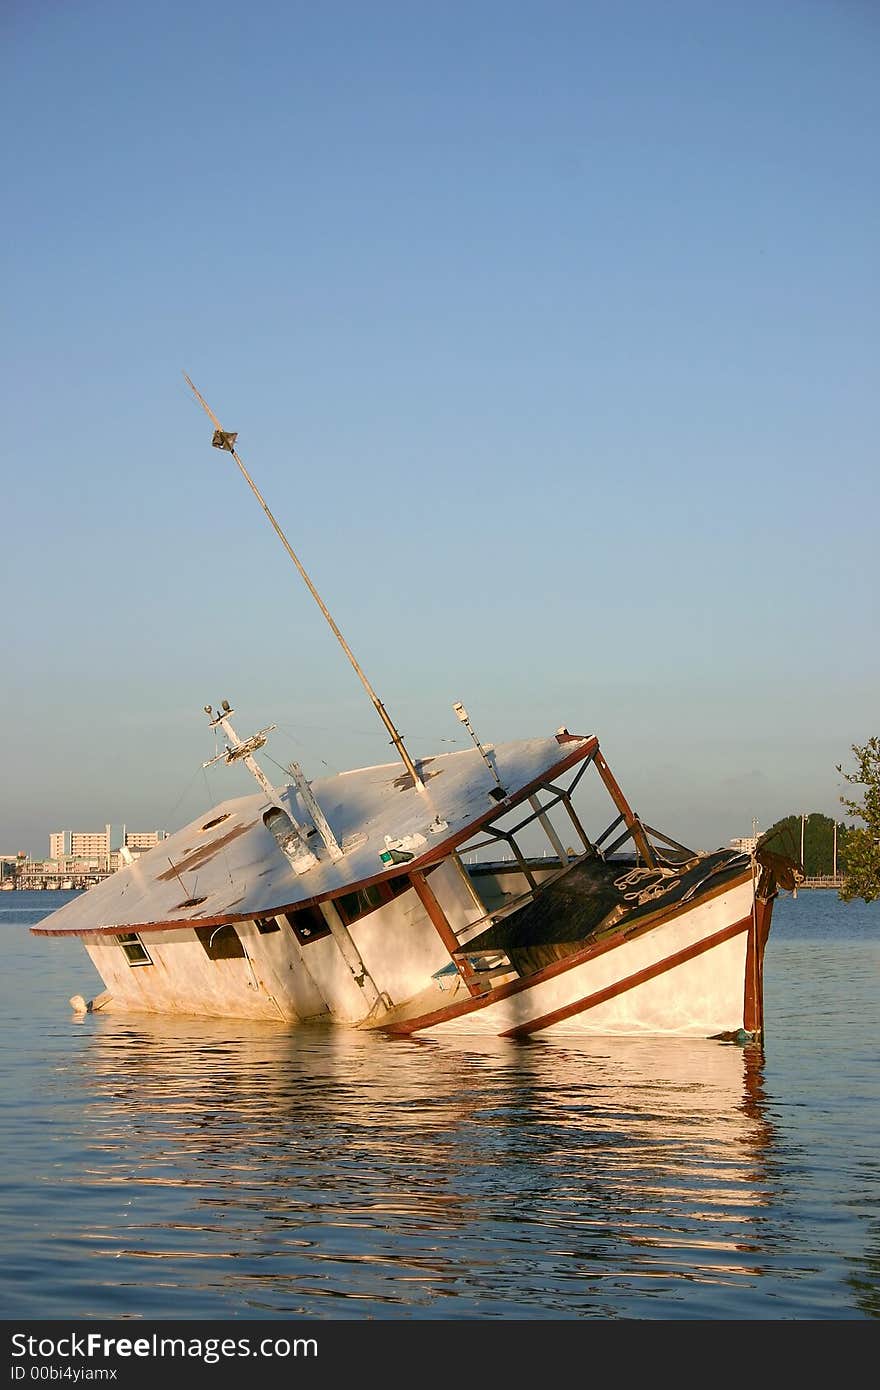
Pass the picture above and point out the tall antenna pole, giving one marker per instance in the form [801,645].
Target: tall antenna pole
[224,439]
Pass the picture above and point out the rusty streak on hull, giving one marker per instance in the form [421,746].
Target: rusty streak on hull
[204,854]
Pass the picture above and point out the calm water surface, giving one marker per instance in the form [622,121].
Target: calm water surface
[189,1169]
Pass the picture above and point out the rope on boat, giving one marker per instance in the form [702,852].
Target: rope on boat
[657,882]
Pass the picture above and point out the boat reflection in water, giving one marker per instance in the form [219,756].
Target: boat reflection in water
[323,1171]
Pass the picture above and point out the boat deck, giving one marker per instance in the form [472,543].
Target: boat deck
[226,865]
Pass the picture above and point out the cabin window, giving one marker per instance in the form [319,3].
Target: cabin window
[355,905]
[134,949]
[352,906]
[307,925]
[221,943]
[266,925]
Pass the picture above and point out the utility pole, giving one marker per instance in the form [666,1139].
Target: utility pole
[834,870]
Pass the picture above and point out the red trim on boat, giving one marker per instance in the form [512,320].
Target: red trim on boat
[631,820]
[753,1000]
[428,899]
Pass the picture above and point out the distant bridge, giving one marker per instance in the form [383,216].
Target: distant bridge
[822,881]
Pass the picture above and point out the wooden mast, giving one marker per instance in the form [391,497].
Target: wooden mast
[225,439]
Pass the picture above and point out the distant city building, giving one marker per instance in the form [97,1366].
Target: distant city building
[78,858]
[746,845]
[141,839]
[58,844]
[86,843]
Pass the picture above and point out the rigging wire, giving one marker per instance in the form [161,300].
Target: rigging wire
[223,846]
[269,759]
[331,767]
[363,733]
[185,791]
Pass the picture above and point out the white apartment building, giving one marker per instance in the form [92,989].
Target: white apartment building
[140,839]
[746,844]
[69,849]
[58,847]
[86,844]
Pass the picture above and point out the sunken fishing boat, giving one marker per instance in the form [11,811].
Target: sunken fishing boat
[408,897]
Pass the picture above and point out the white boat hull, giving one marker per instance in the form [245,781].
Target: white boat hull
[686,977]
[693,972]
[586,944]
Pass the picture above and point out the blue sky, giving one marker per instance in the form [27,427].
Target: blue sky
[550,333]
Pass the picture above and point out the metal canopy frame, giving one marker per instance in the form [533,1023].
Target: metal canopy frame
[560,794]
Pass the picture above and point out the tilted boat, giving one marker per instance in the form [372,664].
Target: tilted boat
[363,898]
